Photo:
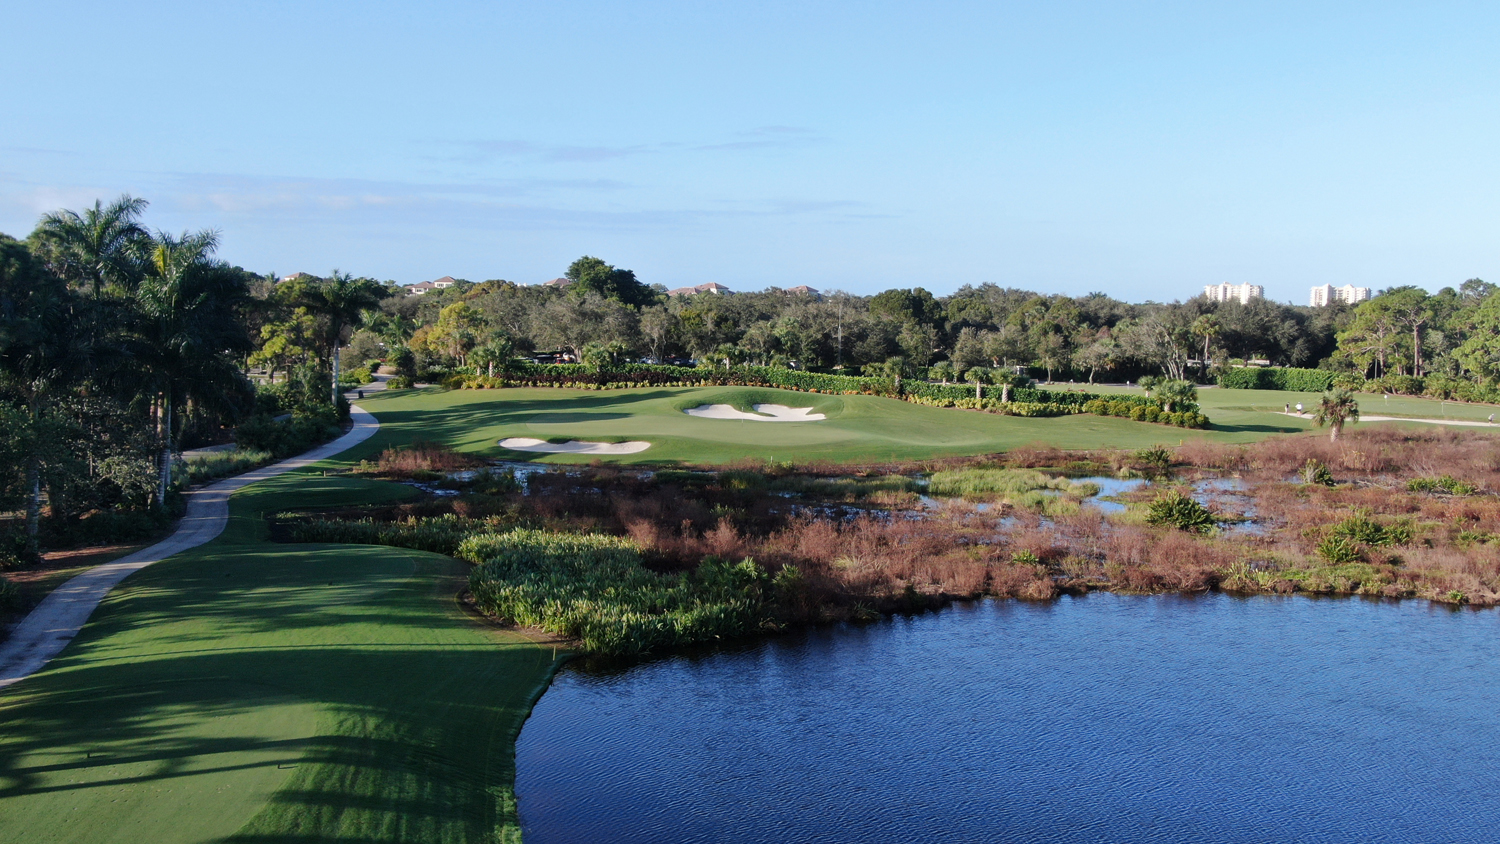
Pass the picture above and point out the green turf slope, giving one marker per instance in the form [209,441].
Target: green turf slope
[254,692]
[859,428]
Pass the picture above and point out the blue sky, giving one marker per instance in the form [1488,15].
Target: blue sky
[1139,149]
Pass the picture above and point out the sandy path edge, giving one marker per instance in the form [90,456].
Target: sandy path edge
[49,628]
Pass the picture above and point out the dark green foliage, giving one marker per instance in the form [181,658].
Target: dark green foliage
[1363,529]
[285,437]
[1316,472]
[1179,510]
[16,550]
[1277,378]
[593,588]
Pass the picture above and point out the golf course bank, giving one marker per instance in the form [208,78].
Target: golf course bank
[251,691]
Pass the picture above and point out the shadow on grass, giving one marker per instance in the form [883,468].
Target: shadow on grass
[345,674]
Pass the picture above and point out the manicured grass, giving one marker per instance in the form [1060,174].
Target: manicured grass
[859,428]
[248,691]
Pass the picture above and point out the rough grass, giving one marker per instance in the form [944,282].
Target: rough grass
[253,692]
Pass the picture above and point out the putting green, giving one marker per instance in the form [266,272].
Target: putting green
[249,691]
[858,428]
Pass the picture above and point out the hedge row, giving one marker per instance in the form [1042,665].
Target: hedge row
[1277,378]
[1146,413]
[1025,401]
[992,405]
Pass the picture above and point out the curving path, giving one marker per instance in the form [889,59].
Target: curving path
[58,618]
[1469,423]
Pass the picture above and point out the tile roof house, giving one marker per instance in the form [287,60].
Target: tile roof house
[711,287]
[295,276]
[428,286]
[804,290]
[557,282]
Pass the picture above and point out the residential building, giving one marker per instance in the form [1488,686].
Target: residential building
[711,287]
[1227,292]
[1348,294]
[295,276]
[804,290]
[557,282]
[428,286]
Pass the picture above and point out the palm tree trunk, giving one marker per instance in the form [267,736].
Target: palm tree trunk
[1334,430]
[335,397]
[978,390]
[1005,394]
[164,468]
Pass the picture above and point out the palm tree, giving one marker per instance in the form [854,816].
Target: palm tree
[1207,327]
[943,371]
[977,376]
[186,337]
[1334,409]
[1007,380]
[1175,393]
[342,299]
[98,249]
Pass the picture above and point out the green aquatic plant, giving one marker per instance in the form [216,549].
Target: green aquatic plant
[1179,510]
[593,588]
[1316,472]
[1442,483]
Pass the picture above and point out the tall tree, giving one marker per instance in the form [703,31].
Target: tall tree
[1336,408]
[592,275]
[186,337]
[341,299]
[41,358]
[99,249]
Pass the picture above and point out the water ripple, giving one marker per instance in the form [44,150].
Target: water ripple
[1099,719]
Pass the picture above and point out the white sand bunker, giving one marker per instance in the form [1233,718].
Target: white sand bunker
[573,446]
[764,413]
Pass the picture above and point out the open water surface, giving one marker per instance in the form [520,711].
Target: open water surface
[1097,719]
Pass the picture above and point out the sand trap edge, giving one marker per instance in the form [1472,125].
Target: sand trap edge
[573,446]
[765,413]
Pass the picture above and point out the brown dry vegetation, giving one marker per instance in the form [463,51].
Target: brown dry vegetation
[858,555]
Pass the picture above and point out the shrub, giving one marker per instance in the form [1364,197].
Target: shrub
[593,588]
[1315,472]
[1277,378]
[10,596]
[1442,483]
[16,550]
[215,465]
[1340,549]
[286,437]
[1179,510]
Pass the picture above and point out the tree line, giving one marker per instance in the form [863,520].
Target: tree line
[119,344]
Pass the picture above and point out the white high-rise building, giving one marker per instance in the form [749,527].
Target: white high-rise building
[1227,292]
[1348,294]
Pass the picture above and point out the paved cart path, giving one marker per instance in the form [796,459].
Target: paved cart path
[1475,423]
[58,618]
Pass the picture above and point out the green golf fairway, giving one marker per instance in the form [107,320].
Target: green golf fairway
[859,428]
[249,691]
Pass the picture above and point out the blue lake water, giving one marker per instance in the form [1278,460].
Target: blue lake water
[1097,719]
